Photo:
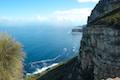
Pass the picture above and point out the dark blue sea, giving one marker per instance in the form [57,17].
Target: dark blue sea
[44,45]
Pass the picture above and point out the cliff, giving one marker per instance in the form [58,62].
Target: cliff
[99,56]
[100,45]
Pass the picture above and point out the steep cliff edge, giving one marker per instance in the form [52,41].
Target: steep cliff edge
[99,56]
[100,45]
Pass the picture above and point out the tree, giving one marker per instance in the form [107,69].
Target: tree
[11,58]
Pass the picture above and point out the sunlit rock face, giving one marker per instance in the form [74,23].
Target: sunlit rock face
[100,45]
[100,52]
[103,6]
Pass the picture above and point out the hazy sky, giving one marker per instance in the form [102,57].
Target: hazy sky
[46,11]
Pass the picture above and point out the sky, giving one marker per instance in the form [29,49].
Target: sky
[46,11]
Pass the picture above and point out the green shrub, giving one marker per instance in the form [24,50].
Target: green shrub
[11,57]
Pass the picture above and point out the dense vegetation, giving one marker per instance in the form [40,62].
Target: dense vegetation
[11,57]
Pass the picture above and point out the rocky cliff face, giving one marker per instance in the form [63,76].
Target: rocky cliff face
[101,52]
[100,45]
[103,7]
[99,56]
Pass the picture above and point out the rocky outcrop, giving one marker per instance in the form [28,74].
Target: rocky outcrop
[103,7]
[99,56]
[100,52]
[100,45]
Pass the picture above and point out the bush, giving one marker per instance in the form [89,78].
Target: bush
[11,57]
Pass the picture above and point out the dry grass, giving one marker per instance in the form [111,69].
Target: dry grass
[11,57]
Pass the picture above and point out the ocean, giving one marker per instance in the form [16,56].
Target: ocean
[44,45]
